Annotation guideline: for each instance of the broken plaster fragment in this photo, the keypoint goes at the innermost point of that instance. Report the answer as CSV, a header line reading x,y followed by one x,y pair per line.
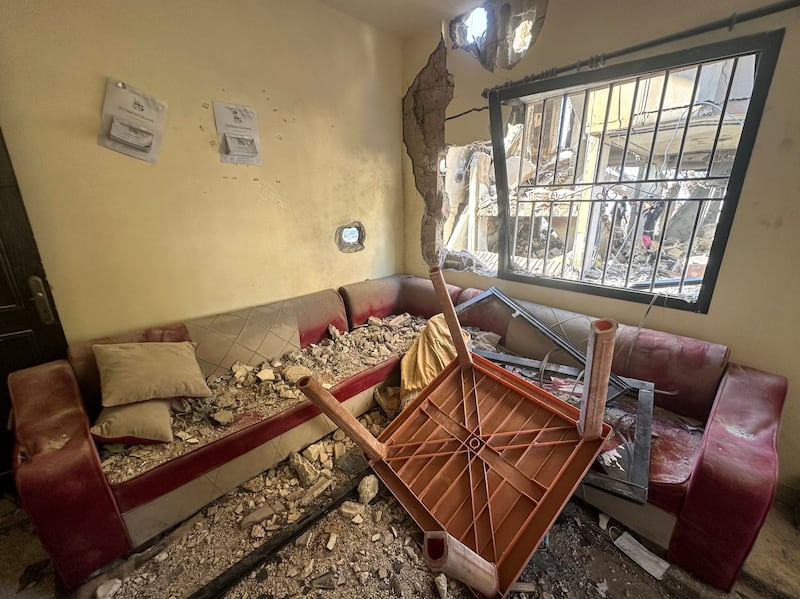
x,y
240,371
317,489
288,394
308,569
223,417
367,489
57,443
258,516
108,589
611,459
325,582
292,374
312,452
603,520
304,540
305,470
441,585
351,509
267,374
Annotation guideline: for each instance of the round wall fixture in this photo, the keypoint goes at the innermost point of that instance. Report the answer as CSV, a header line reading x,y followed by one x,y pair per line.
x,y
350,238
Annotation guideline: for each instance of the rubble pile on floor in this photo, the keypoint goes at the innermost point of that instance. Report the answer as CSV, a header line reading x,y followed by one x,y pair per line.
x,y
367,543
367,547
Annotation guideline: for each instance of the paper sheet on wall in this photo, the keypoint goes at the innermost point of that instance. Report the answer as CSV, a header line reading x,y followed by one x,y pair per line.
x,y
132,121
237,132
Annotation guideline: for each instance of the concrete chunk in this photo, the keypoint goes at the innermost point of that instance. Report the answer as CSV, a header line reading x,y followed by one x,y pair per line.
x,y
367,489
351,509
305,470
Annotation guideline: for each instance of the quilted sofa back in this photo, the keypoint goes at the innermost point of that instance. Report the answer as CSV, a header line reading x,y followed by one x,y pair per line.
x,y
686,371
81,358
250,335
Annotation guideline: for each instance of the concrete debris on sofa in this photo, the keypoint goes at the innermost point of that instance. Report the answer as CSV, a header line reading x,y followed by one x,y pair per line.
x,y
248,394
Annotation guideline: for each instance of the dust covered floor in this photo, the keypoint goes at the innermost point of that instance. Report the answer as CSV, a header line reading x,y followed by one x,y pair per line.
x,y
376,553
366,547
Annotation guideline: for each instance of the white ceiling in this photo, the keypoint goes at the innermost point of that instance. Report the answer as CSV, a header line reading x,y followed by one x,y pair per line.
x,y
403,18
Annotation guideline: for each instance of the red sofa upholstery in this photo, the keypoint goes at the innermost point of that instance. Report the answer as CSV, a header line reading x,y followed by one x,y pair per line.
x,y
720,503
732,486
720,489
79,516
391,295
62,488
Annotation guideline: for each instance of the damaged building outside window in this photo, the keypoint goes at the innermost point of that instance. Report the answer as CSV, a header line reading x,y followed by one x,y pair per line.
x,y
620,182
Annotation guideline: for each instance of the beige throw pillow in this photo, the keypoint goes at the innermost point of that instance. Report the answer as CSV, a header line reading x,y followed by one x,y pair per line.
x,y
134,372
144,422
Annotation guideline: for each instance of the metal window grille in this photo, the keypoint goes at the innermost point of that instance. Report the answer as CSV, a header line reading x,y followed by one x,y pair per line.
x,y
624,181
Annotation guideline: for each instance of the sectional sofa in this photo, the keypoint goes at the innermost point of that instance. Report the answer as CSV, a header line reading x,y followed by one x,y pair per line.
x,y
711,499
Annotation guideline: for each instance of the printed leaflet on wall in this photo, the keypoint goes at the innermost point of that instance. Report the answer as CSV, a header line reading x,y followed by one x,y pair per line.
x,y
132,122
237,131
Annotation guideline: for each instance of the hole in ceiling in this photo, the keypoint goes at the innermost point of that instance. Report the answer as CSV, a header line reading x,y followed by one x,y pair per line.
x,y
499,32
476,24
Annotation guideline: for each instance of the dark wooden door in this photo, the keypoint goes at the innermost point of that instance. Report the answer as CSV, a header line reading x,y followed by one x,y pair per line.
x,y
30,332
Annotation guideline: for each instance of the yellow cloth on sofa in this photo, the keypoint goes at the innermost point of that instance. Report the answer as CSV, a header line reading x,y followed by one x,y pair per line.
x,y
427,357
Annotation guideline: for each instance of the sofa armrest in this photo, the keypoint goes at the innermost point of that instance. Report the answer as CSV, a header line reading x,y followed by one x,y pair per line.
x,y
58,475
734,480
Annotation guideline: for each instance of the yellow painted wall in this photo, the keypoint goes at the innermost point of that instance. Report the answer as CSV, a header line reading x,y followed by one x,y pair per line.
x,y
754,307
128,244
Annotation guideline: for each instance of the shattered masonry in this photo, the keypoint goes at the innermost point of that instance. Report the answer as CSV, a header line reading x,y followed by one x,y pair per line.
x,y
424,107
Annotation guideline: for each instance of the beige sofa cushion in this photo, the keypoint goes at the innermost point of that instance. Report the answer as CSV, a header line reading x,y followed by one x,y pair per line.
x,y
134,372
143,422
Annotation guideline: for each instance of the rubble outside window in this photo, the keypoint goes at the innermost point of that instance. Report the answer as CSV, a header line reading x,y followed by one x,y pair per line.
x,y
471,230
622,181
499,32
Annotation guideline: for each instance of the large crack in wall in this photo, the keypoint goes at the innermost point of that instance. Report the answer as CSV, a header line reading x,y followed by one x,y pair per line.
x,y
424,107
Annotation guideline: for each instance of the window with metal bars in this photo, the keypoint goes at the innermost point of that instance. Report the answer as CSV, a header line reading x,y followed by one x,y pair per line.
x,y
623,181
